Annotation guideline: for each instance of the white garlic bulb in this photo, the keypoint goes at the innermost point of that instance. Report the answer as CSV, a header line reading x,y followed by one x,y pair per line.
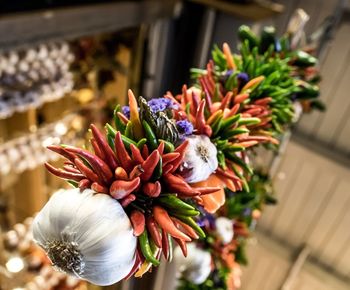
x,y
200,159
196,267
87,235
224,229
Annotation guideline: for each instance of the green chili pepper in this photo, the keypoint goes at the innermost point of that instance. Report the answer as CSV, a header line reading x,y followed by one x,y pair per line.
x,y
249,121
141,142
246,34
129,131
151,137
229,134
171,201
168,147
221,159
146,249
216,126
239,162
157,173
73,183
110,141
228,122
118,123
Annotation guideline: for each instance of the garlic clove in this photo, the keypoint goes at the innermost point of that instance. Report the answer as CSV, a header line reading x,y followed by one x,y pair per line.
x,y
224,229
200,159
196,267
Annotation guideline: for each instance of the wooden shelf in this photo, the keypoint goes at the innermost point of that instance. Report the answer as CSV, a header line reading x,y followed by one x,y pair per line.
x,y
21,30
258,10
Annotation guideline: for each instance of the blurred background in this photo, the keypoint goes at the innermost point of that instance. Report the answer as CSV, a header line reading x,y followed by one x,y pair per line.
x,y
65,64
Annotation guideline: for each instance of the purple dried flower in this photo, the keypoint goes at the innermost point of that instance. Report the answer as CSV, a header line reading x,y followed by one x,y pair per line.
x,y
126,111
247,211
161,104
185,127
243,77
229,72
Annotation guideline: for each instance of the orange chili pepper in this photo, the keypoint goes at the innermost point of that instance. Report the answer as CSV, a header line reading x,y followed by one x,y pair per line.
x,y
162,218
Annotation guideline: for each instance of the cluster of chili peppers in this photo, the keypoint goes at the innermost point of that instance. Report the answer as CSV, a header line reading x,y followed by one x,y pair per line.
x,y
141,173
247,99
238,102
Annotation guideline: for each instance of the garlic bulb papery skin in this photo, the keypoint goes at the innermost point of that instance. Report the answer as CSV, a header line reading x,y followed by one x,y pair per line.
x,y
86,234
200,159
196,267
224,229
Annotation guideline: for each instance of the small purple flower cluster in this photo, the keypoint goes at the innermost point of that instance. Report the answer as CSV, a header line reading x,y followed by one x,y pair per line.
x,y
156,105
185,127
161,104
243,78
126,111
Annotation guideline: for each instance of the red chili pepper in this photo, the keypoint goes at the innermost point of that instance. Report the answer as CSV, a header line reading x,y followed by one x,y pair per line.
x,y
86,170
247,144
145,151
169,157
178,185
123,118
109,154
64,174
127,200
152,189
241,98
161,148
207,190
137,264
136,172
226,100
120,173
149,165
122,188
165,246
167,169
186,228
182,245
60,150
84,184
181,149
263,101
233,111
122,153
195,101
99,188
200,119
229,59
254,111
153,229
99,166
136,154
97,149
71,169
227,173
137,219
198,200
